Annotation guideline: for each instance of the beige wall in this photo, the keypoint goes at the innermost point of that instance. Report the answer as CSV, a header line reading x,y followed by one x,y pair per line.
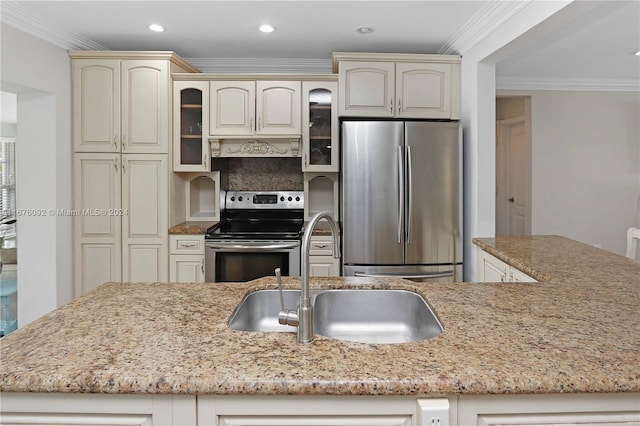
x,y
585,165
40,73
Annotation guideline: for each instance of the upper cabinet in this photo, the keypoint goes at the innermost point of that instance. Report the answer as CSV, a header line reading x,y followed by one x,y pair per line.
x,y
250,108
121,105
401,86
320,150
190,127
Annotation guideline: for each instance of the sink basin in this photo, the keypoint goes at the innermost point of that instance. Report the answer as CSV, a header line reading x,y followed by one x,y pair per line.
x,y
374,316
366,316
259,311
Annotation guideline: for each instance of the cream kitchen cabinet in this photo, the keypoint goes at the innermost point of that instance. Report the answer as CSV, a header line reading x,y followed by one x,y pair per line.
x,y
121,205
400,86
321,260
492,269
186,261
121,105
250,108
190,127
67,409
561,409
320,136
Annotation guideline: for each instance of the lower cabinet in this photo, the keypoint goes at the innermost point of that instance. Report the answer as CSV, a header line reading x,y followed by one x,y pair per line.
x,y
316,411
97,409
556,409
491,269
321,260
121,209
274,410
186,259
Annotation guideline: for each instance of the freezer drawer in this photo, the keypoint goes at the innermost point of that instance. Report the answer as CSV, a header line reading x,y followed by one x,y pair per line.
x,y
418,273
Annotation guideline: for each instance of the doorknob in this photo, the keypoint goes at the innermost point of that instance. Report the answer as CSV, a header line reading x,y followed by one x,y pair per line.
x,y
511,200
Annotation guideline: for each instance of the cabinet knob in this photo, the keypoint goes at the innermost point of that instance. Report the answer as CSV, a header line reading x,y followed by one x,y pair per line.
x,y
511,199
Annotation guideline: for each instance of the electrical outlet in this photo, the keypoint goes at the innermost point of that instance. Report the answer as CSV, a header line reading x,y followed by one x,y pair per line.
x,y
433,412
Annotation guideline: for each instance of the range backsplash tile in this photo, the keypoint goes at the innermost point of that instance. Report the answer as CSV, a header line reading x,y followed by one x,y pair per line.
x,y
261,174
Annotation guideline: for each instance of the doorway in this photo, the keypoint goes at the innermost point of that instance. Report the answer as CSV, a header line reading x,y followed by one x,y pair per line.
x,y
513,165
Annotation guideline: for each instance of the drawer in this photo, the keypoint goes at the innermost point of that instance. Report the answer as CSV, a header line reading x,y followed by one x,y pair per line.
x,y
321,245
186,244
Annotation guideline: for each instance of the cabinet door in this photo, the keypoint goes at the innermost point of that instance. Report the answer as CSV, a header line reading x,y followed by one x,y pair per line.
x,y
278,107
423,90
324,266
96,105
366,89
320,145
145,106
232,108
517,276
186,268
145,217
190,127
491,269
97,230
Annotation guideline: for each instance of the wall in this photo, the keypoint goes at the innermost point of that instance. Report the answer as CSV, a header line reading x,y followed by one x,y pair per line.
x,y
44,164
586,165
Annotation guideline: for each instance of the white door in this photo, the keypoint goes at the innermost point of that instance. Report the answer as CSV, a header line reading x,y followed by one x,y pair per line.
x,y
423,90
96,105
97,230
232,108
145,217
512,168
366,89
186,268
278,106
145,106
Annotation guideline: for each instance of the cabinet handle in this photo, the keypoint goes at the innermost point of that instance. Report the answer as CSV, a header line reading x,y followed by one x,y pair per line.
x,y
399,106
204,160
251,123
320,245
259,123
305,161
202,265
391,105
115,141
115,164
124,166
124,142
187,244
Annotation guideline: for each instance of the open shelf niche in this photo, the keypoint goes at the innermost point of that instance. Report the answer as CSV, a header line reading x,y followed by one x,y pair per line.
x,y
321,194
202,191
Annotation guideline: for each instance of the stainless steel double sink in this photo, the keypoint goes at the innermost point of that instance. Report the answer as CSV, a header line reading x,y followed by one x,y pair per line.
x,y
357,315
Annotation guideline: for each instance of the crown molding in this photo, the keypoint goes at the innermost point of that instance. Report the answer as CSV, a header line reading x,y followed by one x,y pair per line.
x,y
486,20
262,65
16,15
570,84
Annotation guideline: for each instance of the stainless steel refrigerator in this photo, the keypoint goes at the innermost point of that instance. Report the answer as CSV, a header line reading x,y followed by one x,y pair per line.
x,y
401,199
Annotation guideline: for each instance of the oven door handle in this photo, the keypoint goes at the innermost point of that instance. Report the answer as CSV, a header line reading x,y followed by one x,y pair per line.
x,y
252,248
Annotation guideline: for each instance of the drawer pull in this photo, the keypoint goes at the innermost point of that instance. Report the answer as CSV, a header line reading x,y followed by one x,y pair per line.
x,y
187,245
320,245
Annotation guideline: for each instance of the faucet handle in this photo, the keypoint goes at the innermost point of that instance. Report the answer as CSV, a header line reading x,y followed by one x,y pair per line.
x,y
285,316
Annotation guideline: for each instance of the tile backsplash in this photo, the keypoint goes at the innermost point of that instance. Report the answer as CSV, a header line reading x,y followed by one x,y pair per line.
x,y
260,174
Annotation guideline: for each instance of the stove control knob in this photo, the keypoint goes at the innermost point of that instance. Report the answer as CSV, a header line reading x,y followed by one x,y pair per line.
x,y
233,198
240,198
281,198
289,198
297,198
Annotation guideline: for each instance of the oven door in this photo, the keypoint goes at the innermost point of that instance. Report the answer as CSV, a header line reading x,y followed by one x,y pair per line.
x,y
242,260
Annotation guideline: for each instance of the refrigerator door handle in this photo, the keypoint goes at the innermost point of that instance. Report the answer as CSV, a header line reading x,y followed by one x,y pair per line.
x,y
400,193
410,194
417,276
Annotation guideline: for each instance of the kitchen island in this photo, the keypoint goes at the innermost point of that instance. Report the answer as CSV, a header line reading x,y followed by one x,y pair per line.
x,y
572,339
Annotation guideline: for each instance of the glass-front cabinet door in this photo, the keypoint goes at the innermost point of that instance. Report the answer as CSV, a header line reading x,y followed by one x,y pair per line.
x,y
320,126
191,110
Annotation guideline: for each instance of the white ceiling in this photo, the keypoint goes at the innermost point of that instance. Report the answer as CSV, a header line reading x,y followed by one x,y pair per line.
x,y
598,45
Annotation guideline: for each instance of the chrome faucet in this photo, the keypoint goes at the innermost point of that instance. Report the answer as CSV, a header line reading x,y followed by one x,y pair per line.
x,y
303,317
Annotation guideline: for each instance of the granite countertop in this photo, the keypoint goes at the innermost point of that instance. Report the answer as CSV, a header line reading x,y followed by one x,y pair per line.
x,y
576,331
190,228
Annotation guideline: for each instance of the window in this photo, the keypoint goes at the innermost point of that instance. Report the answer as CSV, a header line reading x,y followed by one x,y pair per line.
x,y
7,186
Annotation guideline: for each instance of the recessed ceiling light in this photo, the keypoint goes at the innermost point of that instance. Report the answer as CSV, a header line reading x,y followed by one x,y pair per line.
x,y
266,28
364,30
156,27
638,53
